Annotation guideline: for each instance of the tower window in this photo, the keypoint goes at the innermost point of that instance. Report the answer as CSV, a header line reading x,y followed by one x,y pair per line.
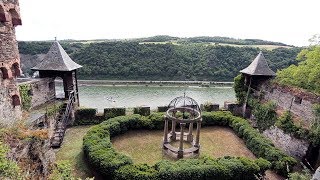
x,y
16,100
15,70
16,20
4,73
2,15
297,100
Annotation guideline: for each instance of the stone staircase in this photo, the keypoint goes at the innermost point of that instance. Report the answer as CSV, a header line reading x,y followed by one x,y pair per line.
x,y
60,128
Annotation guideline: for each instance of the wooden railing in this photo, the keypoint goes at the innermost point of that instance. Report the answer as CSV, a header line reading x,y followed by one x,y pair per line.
x,y
66,115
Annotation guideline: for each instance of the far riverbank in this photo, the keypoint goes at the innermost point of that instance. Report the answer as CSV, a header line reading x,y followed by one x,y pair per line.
x,y
154,83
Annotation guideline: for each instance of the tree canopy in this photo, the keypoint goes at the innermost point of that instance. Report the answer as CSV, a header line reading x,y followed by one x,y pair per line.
x,y
306,74
132,60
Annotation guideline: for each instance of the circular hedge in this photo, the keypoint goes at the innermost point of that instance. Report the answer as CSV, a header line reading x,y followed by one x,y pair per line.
x,y
111,164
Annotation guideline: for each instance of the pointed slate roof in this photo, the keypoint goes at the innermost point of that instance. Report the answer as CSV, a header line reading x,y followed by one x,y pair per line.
x,y
259,67
56,60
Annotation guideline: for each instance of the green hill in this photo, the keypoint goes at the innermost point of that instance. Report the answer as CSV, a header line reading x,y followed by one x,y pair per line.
x,y
166,58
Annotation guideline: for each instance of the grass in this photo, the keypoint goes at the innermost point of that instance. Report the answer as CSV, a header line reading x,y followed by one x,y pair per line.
x,y
146,146
266,47
71,150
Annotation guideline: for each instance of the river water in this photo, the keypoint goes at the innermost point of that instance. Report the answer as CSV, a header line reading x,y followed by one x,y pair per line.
x,y
102,96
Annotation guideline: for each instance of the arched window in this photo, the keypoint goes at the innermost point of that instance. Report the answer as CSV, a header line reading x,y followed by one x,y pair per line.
x,y
16,20
16,100
2,15
15,70
4,73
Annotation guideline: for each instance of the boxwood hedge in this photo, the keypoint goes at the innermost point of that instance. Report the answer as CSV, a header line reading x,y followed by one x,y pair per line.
x,y
114,165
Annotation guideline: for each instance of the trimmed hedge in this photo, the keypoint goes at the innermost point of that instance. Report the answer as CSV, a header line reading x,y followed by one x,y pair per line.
x,y
163,108
87,116
109,163
255,141
143,111
114,112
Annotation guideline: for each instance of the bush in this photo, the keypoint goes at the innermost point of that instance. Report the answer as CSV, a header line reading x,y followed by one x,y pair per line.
x,y
8,169
62,170
87,116
265,114
209,107
240,88
285,122
105,159
162,108
114,112
143,111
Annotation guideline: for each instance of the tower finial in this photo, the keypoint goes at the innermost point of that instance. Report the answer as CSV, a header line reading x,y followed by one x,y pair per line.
x,y
55,38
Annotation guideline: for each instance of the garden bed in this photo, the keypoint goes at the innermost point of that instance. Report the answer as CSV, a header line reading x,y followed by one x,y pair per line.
x,y
112,164
145,146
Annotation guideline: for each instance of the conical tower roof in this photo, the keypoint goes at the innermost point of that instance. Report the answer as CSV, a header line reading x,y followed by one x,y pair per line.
x,y
56,60
259,67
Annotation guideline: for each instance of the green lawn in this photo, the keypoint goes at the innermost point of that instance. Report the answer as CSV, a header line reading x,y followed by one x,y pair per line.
x,y
71,150
146,146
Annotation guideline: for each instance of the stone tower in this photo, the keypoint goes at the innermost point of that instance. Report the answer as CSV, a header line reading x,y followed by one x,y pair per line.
x,y
10,109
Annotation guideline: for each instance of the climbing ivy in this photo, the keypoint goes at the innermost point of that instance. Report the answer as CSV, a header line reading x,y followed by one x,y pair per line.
x,y
264,113
240,88
25,96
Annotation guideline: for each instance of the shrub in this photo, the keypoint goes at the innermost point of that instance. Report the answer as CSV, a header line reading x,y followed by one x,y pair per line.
x,y
8,169
162,108
240,88
143,111
114,112
86,116
209,107
285,122
105,159
265,114
62,170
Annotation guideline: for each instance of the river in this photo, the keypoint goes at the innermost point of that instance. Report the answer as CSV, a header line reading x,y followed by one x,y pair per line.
x,y
103,96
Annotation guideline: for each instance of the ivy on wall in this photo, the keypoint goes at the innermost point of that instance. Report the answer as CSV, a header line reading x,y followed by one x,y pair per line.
x,y
25,96
240,88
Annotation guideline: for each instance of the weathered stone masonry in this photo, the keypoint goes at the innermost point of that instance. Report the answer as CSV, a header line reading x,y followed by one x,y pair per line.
x,y
42,90
10,109
300,103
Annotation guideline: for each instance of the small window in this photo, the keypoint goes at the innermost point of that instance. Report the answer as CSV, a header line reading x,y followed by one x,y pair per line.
x,y
51,85
297,100
30,92
15,18
16,100
2,15
15,70
4,73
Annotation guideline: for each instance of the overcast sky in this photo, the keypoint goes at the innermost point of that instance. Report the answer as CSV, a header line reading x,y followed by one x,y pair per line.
x,y
292,22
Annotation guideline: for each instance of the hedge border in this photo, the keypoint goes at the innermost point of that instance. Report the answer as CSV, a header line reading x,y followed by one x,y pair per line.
x,y
101,155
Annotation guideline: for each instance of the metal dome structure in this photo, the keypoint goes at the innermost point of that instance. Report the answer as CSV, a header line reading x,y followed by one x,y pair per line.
x,y
183,112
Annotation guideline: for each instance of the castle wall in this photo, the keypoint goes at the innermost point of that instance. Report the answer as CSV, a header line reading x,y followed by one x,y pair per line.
x,y
300,103
292,146
10,108
41,90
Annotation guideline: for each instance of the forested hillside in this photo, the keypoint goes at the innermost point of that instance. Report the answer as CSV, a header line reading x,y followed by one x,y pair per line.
x,y
162,61
306,74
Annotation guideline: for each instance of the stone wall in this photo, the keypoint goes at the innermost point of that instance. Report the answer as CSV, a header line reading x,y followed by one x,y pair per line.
x,y
10,109
41,90
300,103
292,146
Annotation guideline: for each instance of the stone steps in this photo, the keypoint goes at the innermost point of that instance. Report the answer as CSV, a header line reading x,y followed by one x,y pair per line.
x,y
60,129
